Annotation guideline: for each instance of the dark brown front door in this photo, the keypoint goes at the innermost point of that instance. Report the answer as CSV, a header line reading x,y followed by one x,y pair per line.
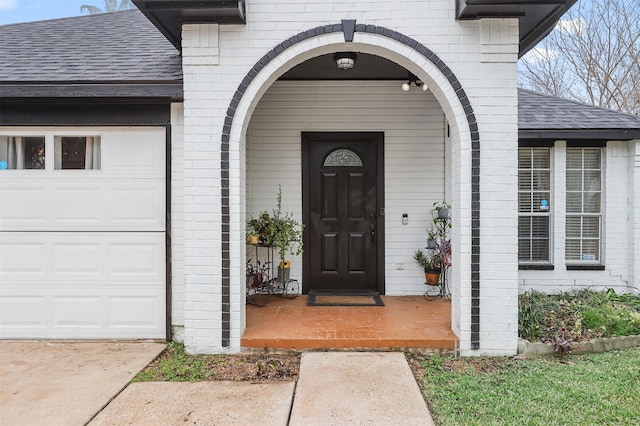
x,y
343,212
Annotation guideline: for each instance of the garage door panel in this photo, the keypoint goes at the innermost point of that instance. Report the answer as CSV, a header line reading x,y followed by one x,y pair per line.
x,y
137,204
77,312
82,251
134,153
82,285
80,258
22,257
77,205
69,205
135,259
134,311
23,203
107,312
23,311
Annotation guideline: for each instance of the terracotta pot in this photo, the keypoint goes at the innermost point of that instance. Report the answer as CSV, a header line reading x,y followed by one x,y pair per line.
x,y
432,276
254,239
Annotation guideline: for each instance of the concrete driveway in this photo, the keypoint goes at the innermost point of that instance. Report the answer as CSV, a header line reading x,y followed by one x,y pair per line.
x,y
63,383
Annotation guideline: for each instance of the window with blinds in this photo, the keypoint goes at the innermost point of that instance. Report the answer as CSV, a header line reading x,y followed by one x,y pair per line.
x,y
584,204
534,193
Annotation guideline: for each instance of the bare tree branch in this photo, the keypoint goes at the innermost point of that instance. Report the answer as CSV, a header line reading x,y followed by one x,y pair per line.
x,y
593,56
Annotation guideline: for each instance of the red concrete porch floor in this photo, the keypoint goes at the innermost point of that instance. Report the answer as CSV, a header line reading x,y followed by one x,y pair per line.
x,y
404,323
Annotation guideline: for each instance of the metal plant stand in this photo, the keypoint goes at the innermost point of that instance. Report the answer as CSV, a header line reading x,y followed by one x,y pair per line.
x,y
440,290
261,278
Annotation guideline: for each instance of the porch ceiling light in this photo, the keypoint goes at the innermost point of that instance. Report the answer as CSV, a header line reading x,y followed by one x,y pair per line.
x,y
345,60
414,80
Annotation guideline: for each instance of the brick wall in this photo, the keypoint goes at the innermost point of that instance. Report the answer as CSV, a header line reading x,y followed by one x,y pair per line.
x,y
483,57
177,221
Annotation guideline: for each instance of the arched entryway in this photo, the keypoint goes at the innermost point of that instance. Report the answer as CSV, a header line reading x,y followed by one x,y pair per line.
x,y
462,131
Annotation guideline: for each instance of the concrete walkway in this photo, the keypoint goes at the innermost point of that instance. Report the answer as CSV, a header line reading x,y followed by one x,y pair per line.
x,y
55,383
357,388
334,388
200,403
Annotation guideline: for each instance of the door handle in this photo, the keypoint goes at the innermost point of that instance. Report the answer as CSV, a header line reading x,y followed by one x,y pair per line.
x,y
372,229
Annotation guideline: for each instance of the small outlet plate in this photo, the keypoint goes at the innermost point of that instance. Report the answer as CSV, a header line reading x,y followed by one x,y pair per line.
x,y
400,266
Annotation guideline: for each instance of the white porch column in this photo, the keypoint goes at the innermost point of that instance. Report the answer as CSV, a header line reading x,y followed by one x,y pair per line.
x,y
202,191
497,113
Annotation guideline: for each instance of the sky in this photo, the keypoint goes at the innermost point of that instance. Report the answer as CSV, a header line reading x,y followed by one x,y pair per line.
x,y
14,11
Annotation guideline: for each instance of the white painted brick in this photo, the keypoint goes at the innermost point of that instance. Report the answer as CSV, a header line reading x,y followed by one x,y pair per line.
x,y
217,58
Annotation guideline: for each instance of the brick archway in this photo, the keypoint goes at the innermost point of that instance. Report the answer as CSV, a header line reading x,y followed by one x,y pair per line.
x,y
378,40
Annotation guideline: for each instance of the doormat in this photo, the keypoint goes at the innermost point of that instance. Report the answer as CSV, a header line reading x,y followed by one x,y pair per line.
x,y
323,300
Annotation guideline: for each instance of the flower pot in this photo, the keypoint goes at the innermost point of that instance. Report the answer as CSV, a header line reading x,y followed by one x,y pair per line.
x,y
283,274
432,276
253,239
443,213
431,244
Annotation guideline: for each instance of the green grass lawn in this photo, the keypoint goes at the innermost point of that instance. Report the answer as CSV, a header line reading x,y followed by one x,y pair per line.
x,y
594,389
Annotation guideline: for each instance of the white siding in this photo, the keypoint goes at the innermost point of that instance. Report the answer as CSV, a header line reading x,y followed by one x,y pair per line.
x,y
413,125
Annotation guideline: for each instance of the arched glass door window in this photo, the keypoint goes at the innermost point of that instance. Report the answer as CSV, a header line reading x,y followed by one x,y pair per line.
x,y
343,157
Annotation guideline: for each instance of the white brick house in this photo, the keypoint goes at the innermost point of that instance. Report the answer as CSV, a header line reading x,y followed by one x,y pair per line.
x,y
225,123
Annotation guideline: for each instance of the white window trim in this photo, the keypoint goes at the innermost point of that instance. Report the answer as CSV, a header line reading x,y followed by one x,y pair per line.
x,y
549,214
600,215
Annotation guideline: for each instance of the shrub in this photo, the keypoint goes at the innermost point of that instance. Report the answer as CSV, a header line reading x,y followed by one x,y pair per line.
x,y
577,315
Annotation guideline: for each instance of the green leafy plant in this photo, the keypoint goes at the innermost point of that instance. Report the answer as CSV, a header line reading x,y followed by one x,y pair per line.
x,y
426,262
279,230
438,255
577,315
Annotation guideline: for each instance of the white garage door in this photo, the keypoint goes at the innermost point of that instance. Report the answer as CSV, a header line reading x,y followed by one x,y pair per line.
x,y
82,233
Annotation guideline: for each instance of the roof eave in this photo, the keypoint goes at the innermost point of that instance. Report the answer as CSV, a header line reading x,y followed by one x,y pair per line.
x,y
169,15
70,90
580,134
536,17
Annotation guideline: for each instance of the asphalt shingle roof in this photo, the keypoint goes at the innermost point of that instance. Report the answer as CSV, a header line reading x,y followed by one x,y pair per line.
x,y
541,111
120,46
125,47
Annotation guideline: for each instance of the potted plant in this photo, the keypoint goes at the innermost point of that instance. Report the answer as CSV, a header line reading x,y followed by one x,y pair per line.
x,y
260,229
432,239
438,254
430,264
281,231
442,209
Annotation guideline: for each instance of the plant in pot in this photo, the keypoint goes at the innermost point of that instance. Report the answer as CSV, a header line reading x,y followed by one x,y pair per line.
x,y
441,210
260,230
430,263
281,231
438,254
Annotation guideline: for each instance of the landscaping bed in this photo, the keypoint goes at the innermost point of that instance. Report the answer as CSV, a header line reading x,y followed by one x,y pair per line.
x,y
577,316
175,365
